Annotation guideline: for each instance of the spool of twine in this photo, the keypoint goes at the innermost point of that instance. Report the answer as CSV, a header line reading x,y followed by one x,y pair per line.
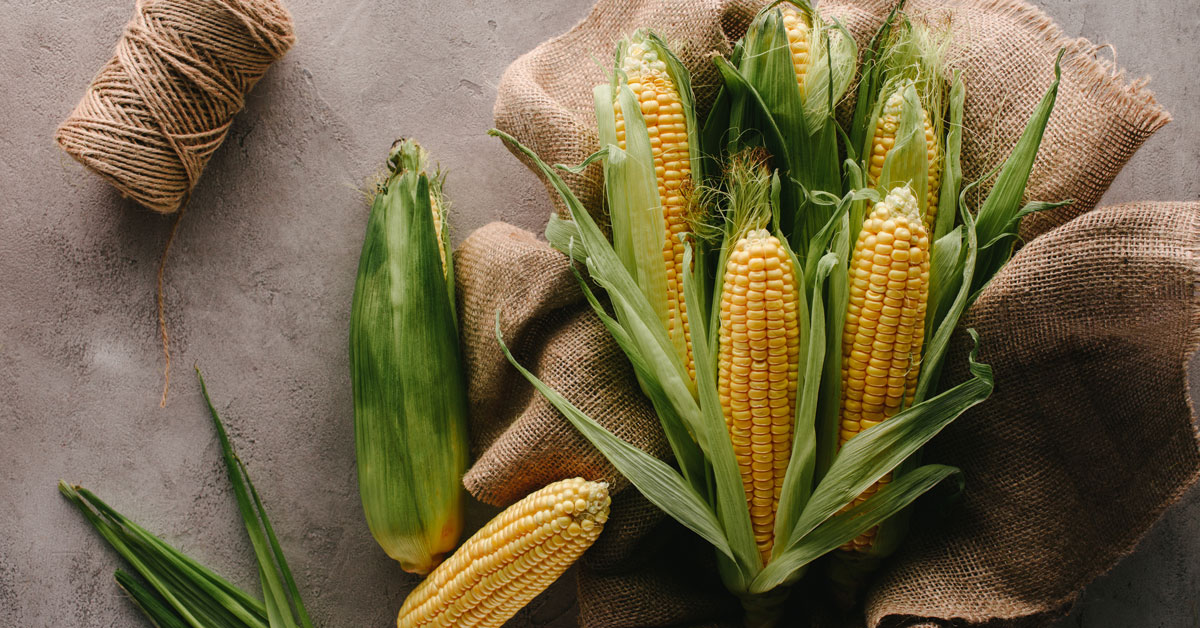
x,y
160,108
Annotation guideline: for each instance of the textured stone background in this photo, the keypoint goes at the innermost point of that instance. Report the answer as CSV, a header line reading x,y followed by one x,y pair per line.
x,y
259,292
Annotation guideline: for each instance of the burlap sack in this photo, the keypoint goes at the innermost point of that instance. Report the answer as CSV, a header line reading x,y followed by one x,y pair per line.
x,y
1109,300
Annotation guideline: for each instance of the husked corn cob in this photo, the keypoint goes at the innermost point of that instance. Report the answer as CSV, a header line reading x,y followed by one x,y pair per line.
x,y
511,559
662,109
886,128
799,36
885,321
757,371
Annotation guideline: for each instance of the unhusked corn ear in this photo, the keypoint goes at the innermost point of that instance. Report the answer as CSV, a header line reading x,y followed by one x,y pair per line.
x,y
410,405
885,321
799,37
887,126
662,108
511,559
758,365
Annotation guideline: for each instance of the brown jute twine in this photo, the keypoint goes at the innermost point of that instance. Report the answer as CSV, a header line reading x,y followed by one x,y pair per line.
x,y
157,111
164,102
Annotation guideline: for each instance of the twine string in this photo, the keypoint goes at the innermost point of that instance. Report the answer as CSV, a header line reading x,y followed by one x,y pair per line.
x,y
164,102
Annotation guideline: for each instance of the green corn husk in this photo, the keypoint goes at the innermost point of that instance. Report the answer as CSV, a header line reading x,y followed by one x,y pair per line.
x,y
410,408
964,259
179,592
764,103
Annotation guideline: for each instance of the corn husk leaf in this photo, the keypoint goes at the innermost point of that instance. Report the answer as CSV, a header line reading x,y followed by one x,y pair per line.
x,y
865,459
996,216
702,416
871,79
951,161
731,497
844,527
908,163
181,591
768,98
798,479
655,479
687,453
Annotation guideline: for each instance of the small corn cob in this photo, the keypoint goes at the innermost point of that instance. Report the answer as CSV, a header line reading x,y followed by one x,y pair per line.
x,y
886,128
511,559
410,406
799,36
662,109
758,366
885,321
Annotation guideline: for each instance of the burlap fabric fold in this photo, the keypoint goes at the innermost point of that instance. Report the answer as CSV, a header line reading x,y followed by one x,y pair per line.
x,y
1087,438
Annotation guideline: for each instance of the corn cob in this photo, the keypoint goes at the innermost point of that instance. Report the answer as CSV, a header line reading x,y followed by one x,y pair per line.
x,y
886,128
662,108
511,559
799,36
885,321
757,371
409,394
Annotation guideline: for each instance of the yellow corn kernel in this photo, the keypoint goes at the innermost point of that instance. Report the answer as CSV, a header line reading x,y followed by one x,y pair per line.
x,y
886,128
666,123
511,559
885,321
758,366
799,36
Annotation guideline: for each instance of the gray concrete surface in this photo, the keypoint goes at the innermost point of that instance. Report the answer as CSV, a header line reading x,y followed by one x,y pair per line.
x,y
259,293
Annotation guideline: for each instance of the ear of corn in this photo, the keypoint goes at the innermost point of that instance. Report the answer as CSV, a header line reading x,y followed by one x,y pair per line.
x,y
758,347
757,371
647,113
914,77
885,321
410,406
511,559
883,140
793,69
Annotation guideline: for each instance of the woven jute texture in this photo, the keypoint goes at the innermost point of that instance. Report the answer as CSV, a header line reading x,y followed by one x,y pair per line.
x,y
1088,437
160,108
519,441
